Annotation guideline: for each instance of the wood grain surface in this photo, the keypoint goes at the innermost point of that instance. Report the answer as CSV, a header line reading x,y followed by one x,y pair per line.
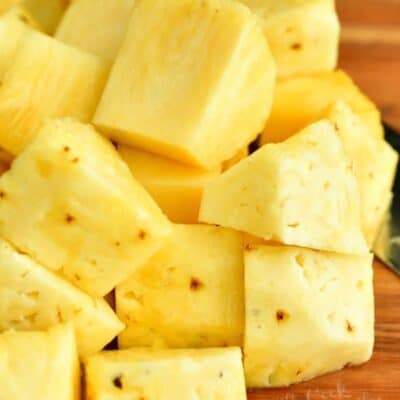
x,y
370,52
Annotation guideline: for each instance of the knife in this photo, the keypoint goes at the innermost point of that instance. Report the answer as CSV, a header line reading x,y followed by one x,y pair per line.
x,y
387,243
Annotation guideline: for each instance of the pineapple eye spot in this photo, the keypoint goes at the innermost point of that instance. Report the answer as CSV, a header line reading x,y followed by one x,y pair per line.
x,y
296,46
66,149
75,160
249,247
281,315
299,372
117,381
117,244
115,144
77,277
2,194
31,317
142,234
196,284
32,295
69,219
294,225
221,374
23,18
349,326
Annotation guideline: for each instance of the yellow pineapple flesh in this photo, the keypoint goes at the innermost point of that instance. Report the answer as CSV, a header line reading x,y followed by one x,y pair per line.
x,y
40,365
32,297
46,79
301,101
190,294
71,203
177,188
303,35
96,26
193,81
206,374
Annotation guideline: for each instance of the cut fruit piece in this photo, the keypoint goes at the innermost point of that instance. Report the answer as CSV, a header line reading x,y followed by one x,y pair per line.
x,y
190,294
46,79
239,156
302,191
303,35
40,365
31,297
375,165
72,204
301,101
206,374
47,12
307,313
177,188
193,81
20,13
96,26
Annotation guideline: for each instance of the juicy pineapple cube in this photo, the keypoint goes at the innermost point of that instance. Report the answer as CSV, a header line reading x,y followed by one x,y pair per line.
x,y
21,13
307,313
32,297
303,35
239,156
206,374
193,81
177,188
375,164
189,294
47,12
71,203
96,26
46,79
39,365
301,101
302,191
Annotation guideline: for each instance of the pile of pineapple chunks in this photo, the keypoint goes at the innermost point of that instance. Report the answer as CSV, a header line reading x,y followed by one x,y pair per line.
x,y
130,207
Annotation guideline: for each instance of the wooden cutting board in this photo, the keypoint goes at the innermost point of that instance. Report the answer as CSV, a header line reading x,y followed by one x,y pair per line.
x,y
370,52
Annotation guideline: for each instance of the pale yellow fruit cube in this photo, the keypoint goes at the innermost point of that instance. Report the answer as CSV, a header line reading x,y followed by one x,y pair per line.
x,y
96,26
303,35
47,12
40,365
302,191
307,313
206,374
46,79
375,163
301,101
72,204
177,188
190,294
193,81
32,297
239,156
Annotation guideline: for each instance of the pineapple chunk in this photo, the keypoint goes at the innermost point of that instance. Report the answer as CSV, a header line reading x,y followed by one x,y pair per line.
x,y
193,81
302,191
190,294
31,297
239,156
71,203
47,12
206,374
96,26
20,13
303,35
301,101
307,313
175,187
39,365
375,166
46,79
